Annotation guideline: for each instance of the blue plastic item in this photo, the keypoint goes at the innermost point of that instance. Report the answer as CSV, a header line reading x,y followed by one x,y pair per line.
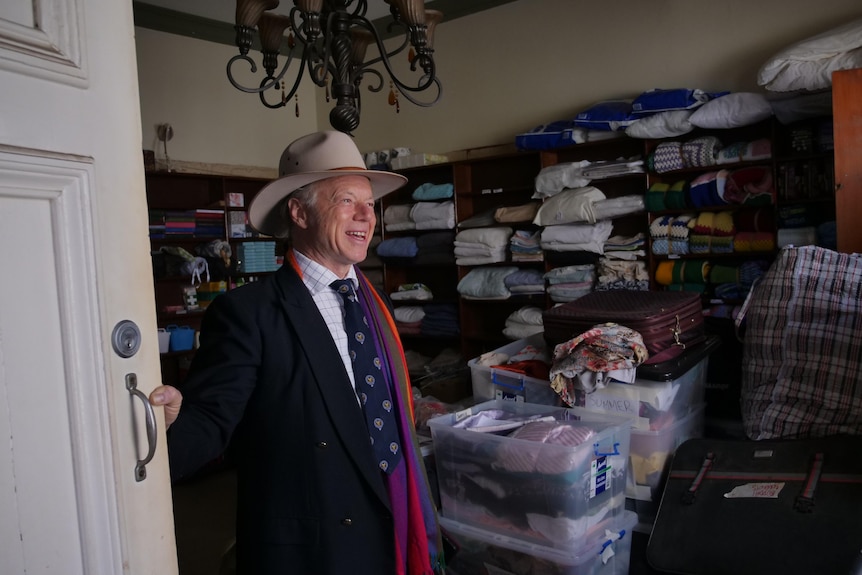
x,y
182,337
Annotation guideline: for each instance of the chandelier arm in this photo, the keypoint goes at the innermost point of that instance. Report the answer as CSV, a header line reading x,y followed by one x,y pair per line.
x,y
280,104
378,41
321,61
371,87
295,27
405,91
425,82
269,81
360,9
285,97
430,77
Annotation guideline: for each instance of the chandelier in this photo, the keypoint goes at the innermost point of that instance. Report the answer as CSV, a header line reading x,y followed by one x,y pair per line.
x,y
335,35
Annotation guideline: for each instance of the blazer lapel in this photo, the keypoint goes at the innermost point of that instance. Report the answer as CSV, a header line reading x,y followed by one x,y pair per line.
x,y
334,385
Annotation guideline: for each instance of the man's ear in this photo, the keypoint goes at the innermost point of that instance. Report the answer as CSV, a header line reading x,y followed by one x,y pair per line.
x,y
298,213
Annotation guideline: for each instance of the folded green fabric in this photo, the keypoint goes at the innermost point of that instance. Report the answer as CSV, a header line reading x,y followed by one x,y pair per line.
x,y
675,198
655,197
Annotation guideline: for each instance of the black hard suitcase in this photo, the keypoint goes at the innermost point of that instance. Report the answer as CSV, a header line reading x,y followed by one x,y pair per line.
x,y
667,321
739,507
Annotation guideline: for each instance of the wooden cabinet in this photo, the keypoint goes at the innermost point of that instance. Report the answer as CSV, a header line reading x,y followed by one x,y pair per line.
x,y
805,179
433,270
482,185
847,114
189,212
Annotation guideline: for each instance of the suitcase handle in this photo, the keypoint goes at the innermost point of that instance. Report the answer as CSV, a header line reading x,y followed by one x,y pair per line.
x,y
805,500
690,493
676,330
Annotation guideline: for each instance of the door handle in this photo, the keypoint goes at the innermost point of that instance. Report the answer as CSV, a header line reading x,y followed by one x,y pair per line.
x,y
141,465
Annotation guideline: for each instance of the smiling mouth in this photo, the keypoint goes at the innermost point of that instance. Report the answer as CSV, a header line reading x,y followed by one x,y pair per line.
x,y
359,235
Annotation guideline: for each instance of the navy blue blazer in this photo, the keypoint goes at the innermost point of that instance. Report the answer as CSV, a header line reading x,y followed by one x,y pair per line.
x,y
310,498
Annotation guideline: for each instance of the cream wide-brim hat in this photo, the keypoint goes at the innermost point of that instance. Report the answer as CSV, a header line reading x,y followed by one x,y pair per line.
x,y
311,158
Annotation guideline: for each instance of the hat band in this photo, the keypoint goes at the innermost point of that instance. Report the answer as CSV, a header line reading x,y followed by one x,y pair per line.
x,y
364,169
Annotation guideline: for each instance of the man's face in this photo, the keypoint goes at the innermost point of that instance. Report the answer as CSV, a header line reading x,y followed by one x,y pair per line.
x,y
336,231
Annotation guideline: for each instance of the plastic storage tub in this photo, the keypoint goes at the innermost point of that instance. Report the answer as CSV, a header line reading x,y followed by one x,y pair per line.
x,y
651,452
662,393
492,383
483,551
164,340
182,337
557,493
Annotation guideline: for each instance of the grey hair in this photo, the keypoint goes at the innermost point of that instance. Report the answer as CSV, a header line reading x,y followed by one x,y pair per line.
x,y
306,195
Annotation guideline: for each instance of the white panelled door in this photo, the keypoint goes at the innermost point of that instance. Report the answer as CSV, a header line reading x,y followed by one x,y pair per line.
x,y
74,255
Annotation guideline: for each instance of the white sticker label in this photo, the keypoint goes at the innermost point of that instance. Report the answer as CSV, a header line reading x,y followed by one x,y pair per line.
x,y
758,490
622,399
601,477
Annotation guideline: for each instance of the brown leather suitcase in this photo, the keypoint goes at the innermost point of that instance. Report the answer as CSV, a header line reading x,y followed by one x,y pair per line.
x,y
667,321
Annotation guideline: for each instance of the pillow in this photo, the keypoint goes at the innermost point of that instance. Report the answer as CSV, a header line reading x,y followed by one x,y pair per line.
x,y
732,111
662,125
802,106
809,63
655,101
573,205
550,136
608,115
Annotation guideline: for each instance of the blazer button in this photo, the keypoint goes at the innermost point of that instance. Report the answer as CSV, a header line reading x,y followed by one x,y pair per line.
x,y
322,445
347,522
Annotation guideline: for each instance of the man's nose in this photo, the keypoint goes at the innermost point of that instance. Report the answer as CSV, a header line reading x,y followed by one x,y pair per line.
x,y
365,211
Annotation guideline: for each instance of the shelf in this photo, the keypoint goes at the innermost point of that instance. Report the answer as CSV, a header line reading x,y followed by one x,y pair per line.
x,y
515,300
176,354
743,255
711,168
724,208
422,302
498,192
809,157
170,240
179,315
182,192
422,337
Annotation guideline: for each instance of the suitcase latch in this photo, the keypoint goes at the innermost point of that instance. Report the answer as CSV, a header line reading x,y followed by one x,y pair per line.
x,y
676,330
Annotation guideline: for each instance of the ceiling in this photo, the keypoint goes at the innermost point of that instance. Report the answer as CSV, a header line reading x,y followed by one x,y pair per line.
x,y
223,10
213,20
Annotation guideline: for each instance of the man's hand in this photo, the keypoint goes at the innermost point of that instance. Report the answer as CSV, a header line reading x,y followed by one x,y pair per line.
x,y
171,398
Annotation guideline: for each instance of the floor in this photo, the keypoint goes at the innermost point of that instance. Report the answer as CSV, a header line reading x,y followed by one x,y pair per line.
x,y
204,513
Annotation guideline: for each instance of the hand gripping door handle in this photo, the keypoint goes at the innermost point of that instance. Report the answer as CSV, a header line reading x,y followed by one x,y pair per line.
x,y
141,465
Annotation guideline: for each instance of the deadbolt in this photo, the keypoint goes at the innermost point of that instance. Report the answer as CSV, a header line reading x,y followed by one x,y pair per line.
x,y
126,338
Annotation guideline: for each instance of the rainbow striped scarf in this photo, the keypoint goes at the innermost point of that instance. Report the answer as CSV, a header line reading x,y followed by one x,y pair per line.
x,y
418,542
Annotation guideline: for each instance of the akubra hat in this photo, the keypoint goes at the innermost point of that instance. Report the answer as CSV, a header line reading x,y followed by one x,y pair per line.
x,y
311,158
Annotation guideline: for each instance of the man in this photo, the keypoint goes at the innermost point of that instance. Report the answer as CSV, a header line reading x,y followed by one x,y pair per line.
x,y
274,373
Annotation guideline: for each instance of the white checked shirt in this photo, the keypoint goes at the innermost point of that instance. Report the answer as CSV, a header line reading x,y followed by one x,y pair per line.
x,y
331,305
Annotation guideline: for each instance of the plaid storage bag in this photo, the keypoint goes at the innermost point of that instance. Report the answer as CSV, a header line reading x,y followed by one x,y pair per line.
x,y
802,350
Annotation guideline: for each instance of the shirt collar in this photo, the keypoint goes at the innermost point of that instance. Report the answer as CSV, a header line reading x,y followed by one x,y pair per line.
x,y
317,277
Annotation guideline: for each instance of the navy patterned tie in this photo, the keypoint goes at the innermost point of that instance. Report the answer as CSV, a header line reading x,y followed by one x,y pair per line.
x,y
370,382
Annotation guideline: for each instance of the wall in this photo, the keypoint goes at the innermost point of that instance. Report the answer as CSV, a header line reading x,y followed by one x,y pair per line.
x,y
183,82
504,70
